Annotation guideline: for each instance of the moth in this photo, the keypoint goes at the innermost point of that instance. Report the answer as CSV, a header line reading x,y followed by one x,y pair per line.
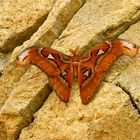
x,y
88,68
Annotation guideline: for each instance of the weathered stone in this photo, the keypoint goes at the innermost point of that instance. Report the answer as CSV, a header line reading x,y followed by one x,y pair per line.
x,y
129,79
97,21
27,97
57,20
20,19
113,112
125,73
10,76
109,116
4,58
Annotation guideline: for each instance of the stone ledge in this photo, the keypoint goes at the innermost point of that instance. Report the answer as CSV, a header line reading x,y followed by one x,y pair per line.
x,y
110,115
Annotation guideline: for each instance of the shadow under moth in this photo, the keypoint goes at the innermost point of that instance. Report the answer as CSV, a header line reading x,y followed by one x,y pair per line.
x,y
88,68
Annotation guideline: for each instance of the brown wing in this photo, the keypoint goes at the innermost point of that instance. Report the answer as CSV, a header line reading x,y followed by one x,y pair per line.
x,y
87,77
55,64
96,62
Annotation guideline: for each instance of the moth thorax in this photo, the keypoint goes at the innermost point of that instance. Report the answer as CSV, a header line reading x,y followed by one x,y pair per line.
x,y
75,59
75,69
75,62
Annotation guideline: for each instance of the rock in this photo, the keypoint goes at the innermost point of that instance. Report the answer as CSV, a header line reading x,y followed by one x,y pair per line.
x,y
58,18
27,112
127,75
56,22
26,97
4,58
19,20
97,21
10,76
110,115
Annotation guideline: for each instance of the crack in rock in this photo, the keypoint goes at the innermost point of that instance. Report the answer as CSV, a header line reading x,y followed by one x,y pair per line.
x,y
130,96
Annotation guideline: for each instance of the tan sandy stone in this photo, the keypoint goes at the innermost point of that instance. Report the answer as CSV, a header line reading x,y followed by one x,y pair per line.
x,y
14,109
97,21
112,114
20,19
125,73
10,76
4,59
57,20
27,97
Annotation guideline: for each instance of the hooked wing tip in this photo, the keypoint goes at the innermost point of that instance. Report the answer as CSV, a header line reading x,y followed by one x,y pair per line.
x,y
22,59
129,48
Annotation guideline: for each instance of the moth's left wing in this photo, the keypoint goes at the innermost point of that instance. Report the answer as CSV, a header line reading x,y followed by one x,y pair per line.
x,y
57,66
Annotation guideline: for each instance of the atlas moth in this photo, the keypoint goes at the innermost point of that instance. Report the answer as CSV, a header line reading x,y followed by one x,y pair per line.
x,y
88,68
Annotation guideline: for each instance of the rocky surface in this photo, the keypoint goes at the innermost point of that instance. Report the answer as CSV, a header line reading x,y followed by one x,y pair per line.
x,y
27,112
19,20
